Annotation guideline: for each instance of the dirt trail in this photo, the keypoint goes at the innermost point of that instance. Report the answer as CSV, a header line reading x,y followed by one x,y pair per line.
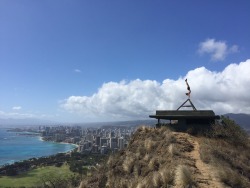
x,y
204,174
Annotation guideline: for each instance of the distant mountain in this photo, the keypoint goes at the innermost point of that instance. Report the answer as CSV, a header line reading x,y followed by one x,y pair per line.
x,y
241,119
11,122
36,122
131,123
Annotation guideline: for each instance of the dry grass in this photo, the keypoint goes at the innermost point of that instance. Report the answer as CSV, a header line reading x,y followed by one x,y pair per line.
x,y
143,183
137,170
149,161
154,164
140,152
149,144
183,176
223,155
143,129
169,137
167,176
232,178
147,157
156,158
110,160
173,150
128,164
83,185
228,150
157,180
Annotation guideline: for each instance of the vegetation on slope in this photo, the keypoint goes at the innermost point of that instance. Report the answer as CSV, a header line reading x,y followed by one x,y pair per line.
x,y
228,149
35,178
150,160
60,170
162,158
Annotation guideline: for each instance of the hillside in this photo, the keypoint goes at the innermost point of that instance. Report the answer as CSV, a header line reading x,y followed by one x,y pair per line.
x,y
163,158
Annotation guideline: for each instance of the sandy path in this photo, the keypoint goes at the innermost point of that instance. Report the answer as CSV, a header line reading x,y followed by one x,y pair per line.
x,y
205,174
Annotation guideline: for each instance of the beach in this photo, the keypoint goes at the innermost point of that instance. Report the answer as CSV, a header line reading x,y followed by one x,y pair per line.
x,y
15,147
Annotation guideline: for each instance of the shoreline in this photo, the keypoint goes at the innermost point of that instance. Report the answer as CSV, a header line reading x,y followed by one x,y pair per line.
x,y
40,138
66,152
21,160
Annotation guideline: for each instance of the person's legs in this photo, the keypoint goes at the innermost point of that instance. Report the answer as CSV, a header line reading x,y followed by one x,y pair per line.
x,y
188,88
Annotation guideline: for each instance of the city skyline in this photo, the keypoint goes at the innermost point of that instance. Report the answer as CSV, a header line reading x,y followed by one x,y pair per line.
x,y
89,140
85,61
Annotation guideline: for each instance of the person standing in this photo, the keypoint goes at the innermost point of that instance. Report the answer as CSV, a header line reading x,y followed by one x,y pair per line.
x,y
188,88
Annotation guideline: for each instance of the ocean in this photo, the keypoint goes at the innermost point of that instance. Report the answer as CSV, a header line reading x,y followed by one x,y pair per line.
x,y
14,147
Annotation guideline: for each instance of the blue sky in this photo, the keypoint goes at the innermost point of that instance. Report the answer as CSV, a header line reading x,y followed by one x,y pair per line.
x,y
68,60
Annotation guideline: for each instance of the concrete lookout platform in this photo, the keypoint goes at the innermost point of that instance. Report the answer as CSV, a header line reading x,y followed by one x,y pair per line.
x,y
186,119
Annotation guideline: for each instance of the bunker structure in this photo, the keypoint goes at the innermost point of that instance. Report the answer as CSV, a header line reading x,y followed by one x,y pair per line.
x,y
183,120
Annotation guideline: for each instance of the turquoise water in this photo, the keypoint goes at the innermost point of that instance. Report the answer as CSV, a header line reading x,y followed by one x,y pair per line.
x,y
15,147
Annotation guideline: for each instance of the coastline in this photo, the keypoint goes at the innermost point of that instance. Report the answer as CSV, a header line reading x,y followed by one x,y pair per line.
x,y
9,156
47,156
76,145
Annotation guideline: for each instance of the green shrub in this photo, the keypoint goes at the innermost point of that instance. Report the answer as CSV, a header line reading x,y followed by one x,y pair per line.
x,y
11,172
227,129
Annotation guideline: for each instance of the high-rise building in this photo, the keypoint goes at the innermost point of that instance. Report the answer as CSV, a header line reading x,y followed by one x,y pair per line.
x,y
103,141
119,133
95,149
89,137
121,143
112,134
113,143
59,137
98,140
104,150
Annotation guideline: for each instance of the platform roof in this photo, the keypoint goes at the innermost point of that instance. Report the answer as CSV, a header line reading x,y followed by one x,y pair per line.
x,y
184,114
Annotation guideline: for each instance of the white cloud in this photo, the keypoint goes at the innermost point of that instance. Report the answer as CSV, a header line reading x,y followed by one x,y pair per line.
x,y
16,108
223,92
217,49
77,71
234,49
